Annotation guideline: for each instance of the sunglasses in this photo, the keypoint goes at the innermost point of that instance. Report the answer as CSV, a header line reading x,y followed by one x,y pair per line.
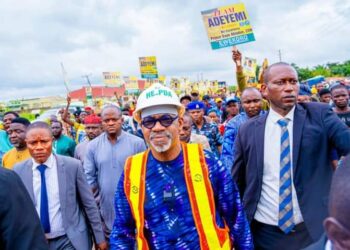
x,y
165,120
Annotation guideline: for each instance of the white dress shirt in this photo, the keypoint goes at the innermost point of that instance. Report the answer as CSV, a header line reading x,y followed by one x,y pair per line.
x,y
268,205
328,245
51,178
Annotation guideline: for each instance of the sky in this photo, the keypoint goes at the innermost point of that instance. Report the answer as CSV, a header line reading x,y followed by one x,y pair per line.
x,y
91,37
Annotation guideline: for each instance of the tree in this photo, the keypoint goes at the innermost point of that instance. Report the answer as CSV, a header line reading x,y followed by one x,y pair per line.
x,y
321,70
328,70
303,73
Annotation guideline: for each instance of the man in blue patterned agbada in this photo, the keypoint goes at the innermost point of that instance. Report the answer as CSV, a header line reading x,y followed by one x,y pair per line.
x,y
165,191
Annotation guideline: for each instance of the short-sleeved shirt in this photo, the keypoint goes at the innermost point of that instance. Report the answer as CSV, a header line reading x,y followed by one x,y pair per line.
x,y
79,132
13,157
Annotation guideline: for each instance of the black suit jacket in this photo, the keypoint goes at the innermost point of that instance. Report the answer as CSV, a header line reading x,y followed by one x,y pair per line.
x,y
316,130
20,226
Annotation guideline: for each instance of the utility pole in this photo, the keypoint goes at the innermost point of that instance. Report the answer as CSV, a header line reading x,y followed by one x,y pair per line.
x,y
280,55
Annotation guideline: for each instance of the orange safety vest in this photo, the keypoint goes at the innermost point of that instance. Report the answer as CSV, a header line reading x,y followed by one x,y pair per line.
x,y
201,195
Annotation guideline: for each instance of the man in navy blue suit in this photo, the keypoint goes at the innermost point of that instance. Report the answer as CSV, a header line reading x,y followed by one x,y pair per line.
x,y
337,225
282,164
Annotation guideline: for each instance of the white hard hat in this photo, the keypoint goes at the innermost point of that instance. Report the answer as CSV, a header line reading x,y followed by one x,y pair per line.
x,y
157,95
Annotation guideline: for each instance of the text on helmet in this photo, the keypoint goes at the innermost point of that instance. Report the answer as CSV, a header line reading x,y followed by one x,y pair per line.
x,y
158,92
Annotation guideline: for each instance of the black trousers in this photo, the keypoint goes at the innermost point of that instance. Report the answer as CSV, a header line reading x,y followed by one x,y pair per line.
x,y
267,237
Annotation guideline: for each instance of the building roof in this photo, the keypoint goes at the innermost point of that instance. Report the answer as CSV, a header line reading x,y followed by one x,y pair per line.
x,y
103,91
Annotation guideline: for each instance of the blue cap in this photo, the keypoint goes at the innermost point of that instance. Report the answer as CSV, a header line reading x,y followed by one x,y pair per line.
x,y
195,105
213,110
206,98
232,99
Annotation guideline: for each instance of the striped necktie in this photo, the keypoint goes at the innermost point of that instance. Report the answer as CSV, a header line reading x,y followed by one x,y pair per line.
x,y
44,202
285,213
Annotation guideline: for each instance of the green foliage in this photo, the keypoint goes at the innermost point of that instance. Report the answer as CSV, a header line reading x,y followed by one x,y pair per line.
x,y
232,88
334,69
321,70
28,116
303,73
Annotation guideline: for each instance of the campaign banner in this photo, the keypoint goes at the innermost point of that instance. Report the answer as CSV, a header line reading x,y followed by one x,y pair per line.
x,y
249,69
162,79
261,70
148,67
131,83
228,26
112,78
175,84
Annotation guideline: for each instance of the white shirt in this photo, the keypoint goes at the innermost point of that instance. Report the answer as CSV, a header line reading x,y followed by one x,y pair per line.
x,y
328,245
51,178
268,205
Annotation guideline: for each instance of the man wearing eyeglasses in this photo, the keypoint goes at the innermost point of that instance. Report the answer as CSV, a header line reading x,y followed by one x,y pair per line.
x,y
282,164
175,196
105,159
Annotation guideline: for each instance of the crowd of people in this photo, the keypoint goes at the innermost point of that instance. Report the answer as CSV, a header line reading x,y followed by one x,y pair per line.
x,y
261,168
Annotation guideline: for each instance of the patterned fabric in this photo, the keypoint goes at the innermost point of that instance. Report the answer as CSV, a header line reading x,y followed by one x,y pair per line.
x,y
126,127
169,222
132,127
285,215
231,131
211,131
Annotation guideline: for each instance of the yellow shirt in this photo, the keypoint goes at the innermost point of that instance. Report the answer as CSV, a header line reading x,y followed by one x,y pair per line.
x,y
80,132
13,157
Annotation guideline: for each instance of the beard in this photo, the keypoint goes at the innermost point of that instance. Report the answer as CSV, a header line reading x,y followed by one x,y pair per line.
x,y
164,147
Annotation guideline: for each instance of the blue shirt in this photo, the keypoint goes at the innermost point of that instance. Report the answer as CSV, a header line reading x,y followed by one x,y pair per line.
x,y
5,144
211,131
231,131
169,222
103,165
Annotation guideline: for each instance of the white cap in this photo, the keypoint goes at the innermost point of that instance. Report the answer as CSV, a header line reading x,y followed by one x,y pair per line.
x,y
163,109
157,95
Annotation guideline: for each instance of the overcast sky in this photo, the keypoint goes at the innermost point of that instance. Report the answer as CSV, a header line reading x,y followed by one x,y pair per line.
x,y
91,37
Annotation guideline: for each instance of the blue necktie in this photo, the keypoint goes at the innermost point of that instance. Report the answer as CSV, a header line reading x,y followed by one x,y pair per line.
x,y
285,213
44,203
